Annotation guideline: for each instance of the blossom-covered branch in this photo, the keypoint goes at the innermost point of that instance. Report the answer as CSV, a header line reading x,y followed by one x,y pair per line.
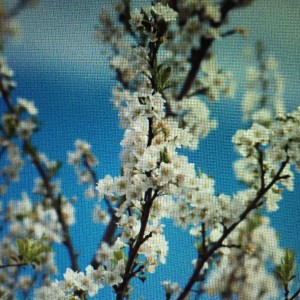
x,y
165,75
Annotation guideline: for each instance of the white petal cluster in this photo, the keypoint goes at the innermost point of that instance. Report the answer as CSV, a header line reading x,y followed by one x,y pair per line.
x,y
11,170
197,124
208,8
261,104
83,161
164,12
170,287
5,74
90,282
279,142
139,105
247,265
132,64
26,128
155,249
29,106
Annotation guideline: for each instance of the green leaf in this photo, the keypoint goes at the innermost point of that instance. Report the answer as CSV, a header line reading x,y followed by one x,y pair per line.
x,y
118,255
30,251
285,272
163,76
164,156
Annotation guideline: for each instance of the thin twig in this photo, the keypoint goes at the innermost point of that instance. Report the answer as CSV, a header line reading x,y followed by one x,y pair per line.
x,y
295,295
13,265
286,292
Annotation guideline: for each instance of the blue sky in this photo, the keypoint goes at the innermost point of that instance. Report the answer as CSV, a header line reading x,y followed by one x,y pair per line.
x,y
59,65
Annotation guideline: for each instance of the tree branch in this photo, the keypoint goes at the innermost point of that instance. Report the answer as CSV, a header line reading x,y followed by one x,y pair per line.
x,y
261,165
253,205
295,295
13,265
56,201
199,54
120,290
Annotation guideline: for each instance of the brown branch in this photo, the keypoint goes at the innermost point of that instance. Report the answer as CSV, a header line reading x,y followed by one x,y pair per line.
x,y
229,32
149,195
203,233
120,290
197,92
238,246
149,198
199,54
13,265
253,205
295,295
138,270
108,238
112,226
286,292
261,165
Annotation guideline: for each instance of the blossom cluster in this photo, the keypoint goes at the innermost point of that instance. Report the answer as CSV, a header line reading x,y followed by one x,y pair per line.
x,y
26,219
263,97
78,282
277,143
83,161
241,271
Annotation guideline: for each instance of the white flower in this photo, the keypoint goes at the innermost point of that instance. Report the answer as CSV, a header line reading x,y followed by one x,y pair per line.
x,y
213,11
25,128
68,213
100,215
167,13
28,106
216,233
52,292
105,254
105,186
148,161
171,287
90,193
136,19
82,146
72,278
112,277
